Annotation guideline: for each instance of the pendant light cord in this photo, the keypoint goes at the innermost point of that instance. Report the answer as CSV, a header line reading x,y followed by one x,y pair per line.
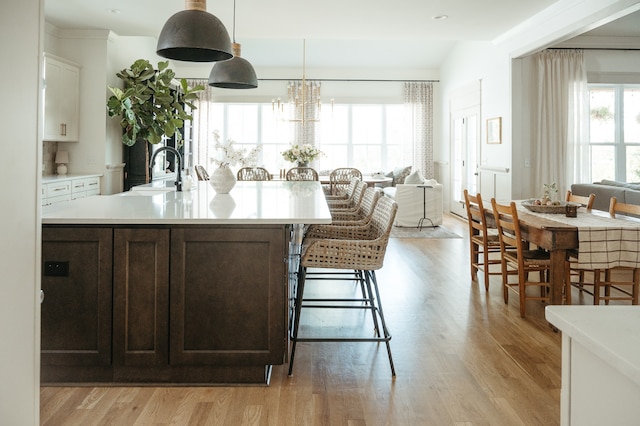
x,y
234,21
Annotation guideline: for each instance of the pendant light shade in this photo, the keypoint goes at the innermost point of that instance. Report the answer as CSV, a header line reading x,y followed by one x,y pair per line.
x,y
194,35
236,73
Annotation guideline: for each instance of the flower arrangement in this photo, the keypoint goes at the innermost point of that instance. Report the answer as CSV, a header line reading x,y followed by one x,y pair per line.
x,y
228,155
301,153
550,191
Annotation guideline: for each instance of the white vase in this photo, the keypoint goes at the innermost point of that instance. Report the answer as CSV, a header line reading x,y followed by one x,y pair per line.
x,y
222,180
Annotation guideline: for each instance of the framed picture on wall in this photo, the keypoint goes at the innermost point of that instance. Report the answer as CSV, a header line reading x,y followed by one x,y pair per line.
x,y
494,130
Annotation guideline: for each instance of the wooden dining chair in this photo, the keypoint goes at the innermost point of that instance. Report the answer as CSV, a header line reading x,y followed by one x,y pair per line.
x,y
586,202
482,244
625,281
521,261
572,255
302,173
618,283
253,174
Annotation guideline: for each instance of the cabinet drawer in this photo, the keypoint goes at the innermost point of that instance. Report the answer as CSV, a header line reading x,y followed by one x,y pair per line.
x,y
57,189
84,187
57,199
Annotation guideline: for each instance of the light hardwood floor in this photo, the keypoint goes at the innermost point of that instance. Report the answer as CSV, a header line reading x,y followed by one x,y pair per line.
x,y
462,357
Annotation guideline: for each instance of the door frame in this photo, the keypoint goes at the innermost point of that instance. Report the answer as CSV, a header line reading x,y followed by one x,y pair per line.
x,y
465,102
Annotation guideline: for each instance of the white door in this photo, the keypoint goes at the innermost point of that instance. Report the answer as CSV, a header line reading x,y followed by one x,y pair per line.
x,y
465,145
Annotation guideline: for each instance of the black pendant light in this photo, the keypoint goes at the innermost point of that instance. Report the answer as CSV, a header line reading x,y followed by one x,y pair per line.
x,y
236,73
194,35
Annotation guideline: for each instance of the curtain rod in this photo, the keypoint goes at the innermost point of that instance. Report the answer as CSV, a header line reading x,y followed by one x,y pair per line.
x,y
347,80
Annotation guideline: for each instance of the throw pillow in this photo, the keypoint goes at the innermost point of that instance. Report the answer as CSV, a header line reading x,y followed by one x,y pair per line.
x,y
414,178
400,174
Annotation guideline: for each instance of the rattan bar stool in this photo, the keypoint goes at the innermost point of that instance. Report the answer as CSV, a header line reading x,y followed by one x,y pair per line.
x,y
354,248
340,178
364,212
350,205
346,195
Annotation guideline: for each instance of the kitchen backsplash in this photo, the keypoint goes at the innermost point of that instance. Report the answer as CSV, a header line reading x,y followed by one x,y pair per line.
x,y
48,156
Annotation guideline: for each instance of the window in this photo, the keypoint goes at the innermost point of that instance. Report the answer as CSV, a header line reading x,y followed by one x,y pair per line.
x,y
366,136
614,127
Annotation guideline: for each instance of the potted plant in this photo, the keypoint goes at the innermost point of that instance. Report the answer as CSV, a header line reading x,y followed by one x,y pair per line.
x,y
151,106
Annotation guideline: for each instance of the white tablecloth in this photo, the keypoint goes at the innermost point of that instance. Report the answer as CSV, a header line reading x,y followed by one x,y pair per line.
x,y
604,242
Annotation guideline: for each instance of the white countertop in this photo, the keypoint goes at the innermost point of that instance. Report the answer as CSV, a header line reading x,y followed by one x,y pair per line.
x,y
60,178
269,202
610,332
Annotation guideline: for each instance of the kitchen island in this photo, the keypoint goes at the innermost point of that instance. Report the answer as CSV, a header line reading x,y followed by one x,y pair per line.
x,y
158,286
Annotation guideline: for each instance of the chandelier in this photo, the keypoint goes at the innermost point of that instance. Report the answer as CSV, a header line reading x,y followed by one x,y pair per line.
x,y
303,104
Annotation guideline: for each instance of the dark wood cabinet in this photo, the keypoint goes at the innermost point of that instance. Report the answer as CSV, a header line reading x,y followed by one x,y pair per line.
x,y
141,297
227,296
177,304
76,310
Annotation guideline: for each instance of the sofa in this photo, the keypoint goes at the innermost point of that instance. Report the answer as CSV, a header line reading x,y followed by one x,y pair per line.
x,y
414,202
628,193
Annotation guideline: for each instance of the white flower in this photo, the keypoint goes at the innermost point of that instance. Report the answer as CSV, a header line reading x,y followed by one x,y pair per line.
x,y
301,153
227,155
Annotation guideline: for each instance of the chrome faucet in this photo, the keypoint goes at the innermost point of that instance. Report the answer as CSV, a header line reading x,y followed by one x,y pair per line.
x,y
178,182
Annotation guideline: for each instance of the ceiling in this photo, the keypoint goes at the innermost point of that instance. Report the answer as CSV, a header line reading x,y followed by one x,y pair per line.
x,y
353,33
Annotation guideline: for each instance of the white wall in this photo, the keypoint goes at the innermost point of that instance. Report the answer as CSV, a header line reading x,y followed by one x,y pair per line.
x,y
468,63
21,44
505,77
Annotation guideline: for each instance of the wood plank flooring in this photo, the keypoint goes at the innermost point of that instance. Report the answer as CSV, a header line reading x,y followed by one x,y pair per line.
x,y
462,357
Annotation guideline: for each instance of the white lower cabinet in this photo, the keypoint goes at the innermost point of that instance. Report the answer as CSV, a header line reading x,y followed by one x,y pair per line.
x,y
85,187
59,189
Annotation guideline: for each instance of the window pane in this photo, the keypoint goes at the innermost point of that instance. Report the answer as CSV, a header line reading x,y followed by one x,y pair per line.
x,y
242,123
602,106
367,124
632,115
633,163
603,164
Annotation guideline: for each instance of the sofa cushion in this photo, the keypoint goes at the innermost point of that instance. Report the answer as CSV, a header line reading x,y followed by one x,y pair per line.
x,y
389,191
400,174
609,182
414,177
602,192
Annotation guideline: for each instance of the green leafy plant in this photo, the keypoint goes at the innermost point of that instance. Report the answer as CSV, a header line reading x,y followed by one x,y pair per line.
x,y
151,106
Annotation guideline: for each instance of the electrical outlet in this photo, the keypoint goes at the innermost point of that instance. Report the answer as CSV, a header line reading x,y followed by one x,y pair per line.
x,y
527,162
56,269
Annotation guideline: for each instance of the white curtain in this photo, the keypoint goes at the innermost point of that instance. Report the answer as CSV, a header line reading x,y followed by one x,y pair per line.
x,y
418,99
203,126
561,126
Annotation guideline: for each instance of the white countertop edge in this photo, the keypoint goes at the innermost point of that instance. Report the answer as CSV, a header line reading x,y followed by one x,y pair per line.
x,y
611,332
61,178
189,222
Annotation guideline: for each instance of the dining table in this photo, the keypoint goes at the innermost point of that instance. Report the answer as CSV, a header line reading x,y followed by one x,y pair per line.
x,y
602,241
370,180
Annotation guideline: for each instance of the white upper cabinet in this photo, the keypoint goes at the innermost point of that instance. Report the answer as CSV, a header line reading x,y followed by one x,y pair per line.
x,y
61,100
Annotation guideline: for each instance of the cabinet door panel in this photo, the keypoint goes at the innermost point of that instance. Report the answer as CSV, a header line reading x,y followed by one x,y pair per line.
x,y
227,296
141,297
76,312
61,100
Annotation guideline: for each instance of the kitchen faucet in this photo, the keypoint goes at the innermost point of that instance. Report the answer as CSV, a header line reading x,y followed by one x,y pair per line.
x,y
178,182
